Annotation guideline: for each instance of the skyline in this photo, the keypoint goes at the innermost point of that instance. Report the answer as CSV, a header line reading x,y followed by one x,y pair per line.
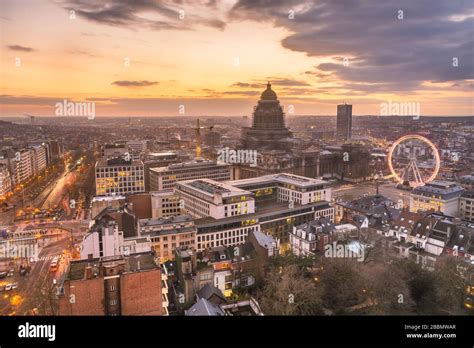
x,y
217,59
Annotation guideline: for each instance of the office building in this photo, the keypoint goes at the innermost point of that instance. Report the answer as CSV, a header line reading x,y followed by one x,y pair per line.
x,y
137,149
165,204
206,197
119,177
156,160
115,150
164,178
286,187
344,122
271,204
437,196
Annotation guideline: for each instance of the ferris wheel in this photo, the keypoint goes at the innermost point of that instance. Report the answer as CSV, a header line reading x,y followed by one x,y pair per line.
x,y
413,160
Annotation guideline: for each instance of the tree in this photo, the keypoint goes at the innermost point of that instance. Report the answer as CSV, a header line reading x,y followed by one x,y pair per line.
x,y
421,283
449,285
287,291
342,285
386,288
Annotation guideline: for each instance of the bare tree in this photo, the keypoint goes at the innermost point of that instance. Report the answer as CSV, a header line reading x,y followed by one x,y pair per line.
x,y
288,291
386,290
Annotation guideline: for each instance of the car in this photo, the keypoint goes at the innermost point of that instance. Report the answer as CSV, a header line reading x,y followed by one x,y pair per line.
x,y
14,285
469,303
3,275
8,287
11,273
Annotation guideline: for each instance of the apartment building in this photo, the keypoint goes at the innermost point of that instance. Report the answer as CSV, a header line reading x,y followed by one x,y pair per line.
x,y
5,180
38,158
167,234
466,205
117,285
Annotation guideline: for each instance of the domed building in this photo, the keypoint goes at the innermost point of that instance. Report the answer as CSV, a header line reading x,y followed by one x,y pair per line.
x,y
274,142
268,129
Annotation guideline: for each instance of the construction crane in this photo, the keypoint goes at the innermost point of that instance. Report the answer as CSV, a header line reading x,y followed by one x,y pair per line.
x,y
198,138
32,117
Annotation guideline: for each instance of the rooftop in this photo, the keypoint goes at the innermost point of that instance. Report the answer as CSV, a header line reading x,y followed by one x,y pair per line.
x,y
445,189
283,178
198,163
164,221
117,162
376,204
106,198
269,93
323,225
264,240
204,307
211,187
133,263
468,194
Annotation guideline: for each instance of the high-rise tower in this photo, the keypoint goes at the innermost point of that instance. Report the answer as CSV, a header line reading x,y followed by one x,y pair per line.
x,y
344,122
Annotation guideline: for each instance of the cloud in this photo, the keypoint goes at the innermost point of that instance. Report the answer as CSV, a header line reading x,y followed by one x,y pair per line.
x,y
275,81
381,50
286,82
20,48
247,85
152,14
143,83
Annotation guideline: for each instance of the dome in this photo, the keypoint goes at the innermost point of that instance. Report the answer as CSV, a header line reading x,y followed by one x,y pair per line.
x,y
268,94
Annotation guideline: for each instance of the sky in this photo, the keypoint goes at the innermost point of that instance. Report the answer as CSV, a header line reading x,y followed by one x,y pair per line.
x,y
171,58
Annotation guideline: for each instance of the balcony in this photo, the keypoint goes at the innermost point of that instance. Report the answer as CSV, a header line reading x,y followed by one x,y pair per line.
x,y
164,287
165,303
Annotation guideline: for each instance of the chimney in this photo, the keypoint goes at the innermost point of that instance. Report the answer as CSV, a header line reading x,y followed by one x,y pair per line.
x,y
138,265
88,272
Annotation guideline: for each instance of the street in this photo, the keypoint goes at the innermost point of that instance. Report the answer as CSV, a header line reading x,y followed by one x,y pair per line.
x,y
32,291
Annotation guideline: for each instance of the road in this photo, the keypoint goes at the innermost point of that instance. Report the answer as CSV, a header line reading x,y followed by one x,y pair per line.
x,y
51,196
32,289
55,196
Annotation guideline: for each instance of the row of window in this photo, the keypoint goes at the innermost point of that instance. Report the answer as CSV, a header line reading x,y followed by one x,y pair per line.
x,y
229,241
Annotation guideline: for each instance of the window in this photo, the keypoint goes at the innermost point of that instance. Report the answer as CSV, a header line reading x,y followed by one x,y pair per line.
x,y
113,302
113,288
